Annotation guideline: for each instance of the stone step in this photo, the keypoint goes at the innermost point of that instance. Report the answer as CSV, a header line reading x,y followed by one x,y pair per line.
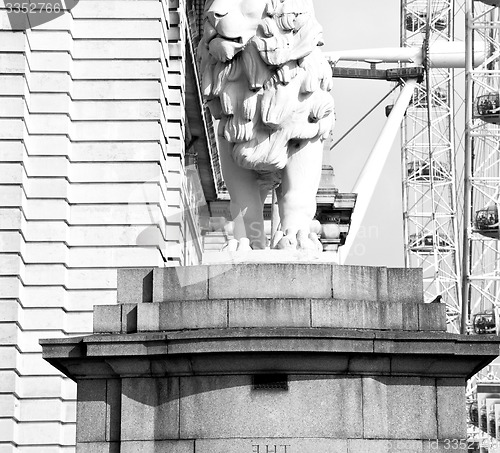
x,y
268,313
270,280
290,295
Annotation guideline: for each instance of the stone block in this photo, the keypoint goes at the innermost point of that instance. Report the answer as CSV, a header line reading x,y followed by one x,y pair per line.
x,y
348,314
355,283
113,409
107,319
410,315
280,281
180,283
115,90
313,406
272,445
382,284
405,285
358,314
158,446
451,408
115,70
113,29
150,409
98,447
148,317
192,314
129,318
91,411
432,317
399,408
117,10
270,313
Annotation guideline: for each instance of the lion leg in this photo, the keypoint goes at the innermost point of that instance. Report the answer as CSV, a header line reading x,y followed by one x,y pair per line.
x,y
246,201
297,201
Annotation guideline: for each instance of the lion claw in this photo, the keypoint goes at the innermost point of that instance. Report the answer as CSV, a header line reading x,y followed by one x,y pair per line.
x,y
302,240
234,245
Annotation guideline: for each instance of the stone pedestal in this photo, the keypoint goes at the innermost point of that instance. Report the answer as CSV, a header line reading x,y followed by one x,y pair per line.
x,y
270,358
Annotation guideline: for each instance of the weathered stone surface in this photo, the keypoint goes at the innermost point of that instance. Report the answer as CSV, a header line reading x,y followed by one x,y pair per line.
x,y
98,447
277,340
385,446
370,364
150,408
405,285
431,365
91,410
269,313
281,281
314,406
272,445
180,283
107,319
409,315
355,283
158,446
361,314
399,408
362,377
135,285
296,363
432,317
414,343
194,314
345,314
148,317
113,409
382,284
451,408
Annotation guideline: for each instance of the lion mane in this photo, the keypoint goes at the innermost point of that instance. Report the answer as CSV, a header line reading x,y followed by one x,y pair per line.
x,y
273,93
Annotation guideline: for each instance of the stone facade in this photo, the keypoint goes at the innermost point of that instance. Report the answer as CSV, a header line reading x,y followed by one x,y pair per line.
x,y
92,178
271,358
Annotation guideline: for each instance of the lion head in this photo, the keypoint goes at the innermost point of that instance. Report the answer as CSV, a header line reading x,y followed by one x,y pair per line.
x,y
265,79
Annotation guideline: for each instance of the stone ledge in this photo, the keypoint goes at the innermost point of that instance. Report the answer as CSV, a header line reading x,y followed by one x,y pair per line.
x,y
409,352
282,312
270,280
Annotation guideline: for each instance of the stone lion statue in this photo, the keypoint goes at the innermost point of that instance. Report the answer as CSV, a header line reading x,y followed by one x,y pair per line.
x,y
266,81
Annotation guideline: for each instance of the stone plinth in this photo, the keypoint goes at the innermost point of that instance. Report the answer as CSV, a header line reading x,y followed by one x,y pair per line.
x,y
270,358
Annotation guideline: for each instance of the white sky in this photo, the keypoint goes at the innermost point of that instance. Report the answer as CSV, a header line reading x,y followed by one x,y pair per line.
x,y
357,25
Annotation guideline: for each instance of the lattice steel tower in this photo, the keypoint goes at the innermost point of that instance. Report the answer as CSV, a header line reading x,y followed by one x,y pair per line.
x,y
481,260
428,161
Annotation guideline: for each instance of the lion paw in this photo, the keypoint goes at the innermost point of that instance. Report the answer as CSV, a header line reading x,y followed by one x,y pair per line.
x,y
234,245
301,240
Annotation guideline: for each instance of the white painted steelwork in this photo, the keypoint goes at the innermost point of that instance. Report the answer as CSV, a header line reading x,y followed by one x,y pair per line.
x,y
481,259
431,231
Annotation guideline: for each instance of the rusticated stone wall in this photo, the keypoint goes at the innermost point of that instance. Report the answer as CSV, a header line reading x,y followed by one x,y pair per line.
x,y
92,179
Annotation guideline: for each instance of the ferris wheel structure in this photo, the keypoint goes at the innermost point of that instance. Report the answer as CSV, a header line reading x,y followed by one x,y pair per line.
x,y
429,176
481,246
451,224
